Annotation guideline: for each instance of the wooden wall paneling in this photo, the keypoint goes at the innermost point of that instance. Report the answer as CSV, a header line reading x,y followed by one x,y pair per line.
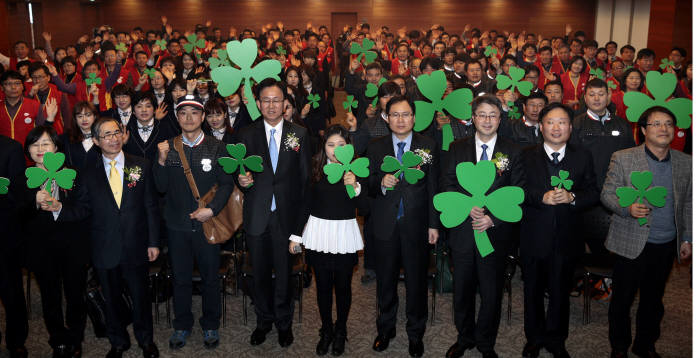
x,y
661,25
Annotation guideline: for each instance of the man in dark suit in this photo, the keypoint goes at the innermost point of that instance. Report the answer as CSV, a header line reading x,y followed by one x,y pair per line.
x,y
146,131
273,209
11,288
549,245
119,195
470,268
402,218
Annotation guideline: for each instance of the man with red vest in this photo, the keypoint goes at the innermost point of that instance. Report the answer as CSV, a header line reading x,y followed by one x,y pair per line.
x,y
42,91
549,70
21,54
18,115
399,65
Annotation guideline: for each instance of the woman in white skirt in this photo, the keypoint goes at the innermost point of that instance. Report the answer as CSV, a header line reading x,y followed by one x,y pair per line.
x,y
332,239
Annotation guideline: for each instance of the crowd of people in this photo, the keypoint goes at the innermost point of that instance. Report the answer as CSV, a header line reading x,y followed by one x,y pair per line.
x,y
139,118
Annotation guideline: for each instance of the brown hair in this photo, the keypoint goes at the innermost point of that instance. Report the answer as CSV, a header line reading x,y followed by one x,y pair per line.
x,y
75,135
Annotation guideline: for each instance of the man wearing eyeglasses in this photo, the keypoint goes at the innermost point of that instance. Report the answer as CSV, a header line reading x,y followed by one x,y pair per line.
x,y
47,94
404,223
644,253
20,114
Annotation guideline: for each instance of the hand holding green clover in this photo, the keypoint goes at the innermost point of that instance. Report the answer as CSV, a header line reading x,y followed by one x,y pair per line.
x,y
52,162
641,181
238,162
344,155
562,180
350,103
314,99
93,79
406,167
4,185
364,51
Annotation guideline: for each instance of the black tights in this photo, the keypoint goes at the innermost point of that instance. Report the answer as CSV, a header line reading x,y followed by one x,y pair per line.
x,y
326,279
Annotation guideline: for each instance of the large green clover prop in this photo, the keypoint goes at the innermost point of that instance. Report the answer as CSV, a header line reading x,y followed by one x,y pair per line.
x,y
93,79
641,181
335,171
229,78
162,44
666,63
151,72
513,112
4,185
372,90
562,180
406,166
597,72
193,42
364,50
220,60
661,88
53,162
314,99
490,51
516,75
350,103
238,162
502,203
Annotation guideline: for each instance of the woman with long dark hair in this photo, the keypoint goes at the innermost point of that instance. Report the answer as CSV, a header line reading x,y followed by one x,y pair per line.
x,y
574,82
216,122
77,140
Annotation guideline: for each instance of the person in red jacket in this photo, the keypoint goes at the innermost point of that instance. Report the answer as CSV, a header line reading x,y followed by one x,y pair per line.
x,y
21,54
18,115
399,65
42,91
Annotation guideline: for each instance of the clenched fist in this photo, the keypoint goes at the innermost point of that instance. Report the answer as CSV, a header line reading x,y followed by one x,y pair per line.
x,y
163,149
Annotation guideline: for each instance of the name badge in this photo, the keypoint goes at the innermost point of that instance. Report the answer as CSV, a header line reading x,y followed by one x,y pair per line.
x,y
615,133
206,164
681,134
28,120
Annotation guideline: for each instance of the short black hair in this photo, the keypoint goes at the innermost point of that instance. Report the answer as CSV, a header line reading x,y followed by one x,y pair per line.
x,y
536,95
628,47
554,105
399,99
36,66
646,52
473,61
389,88
95,129
529,45
553,83
545,48
434,62
595,83
268,82
611,43
145,96
486,99
590,43
371,66
680,50
644,117
529,68
36,133
11,74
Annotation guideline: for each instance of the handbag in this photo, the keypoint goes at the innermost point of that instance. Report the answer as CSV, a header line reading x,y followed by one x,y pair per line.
x,y
221,227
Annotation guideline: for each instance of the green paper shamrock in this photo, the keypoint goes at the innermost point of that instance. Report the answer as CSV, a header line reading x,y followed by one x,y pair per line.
x,y
237,162
151,72
92,78
502,203
314,99
120,47
335,171
193,42
350,103
562,180
448,136
433,86
229,78
162,43
364,50
611,84
53,162
513,112
219,61
641,181
516,74
4,185
281,51
597,72
407,167
372,90
490,51
666,63
661,88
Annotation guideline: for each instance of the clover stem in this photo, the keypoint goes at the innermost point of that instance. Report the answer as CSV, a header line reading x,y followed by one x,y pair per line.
x,y
351,190
251,106
397,174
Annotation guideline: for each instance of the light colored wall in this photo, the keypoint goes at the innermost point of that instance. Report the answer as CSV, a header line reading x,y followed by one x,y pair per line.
x,y
623,21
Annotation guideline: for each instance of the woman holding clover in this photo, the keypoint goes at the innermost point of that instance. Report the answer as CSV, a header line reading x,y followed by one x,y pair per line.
x,y
332,238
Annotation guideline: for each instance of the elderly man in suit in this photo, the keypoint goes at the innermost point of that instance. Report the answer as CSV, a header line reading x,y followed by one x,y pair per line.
x,y
645,253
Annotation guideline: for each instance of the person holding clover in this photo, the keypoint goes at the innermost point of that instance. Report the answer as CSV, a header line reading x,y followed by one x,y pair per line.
x,y
332,238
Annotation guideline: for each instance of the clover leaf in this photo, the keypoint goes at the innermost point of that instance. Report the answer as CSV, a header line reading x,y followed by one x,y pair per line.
x,y
597,72
220,60
151,72
193,42
314,99
281,51
238,162
513,112
641,181
406,167
52,162
661,87
516,74
562,180
364,50
120,47
502,203
611,84
666,63
4,185
335,171
372,90
92,78
350,103
490,51
162,43
228,78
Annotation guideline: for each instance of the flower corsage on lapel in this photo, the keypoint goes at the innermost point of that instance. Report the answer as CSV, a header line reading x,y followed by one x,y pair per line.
x,y
425,157
291,142
502,162
133,175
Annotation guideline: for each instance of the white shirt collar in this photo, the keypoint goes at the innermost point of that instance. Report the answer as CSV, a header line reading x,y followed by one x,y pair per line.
x,y
120,159
549,151
489,150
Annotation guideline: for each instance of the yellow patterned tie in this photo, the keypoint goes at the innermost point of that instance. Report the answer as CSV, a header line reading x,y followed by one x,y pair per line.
x,y
115,183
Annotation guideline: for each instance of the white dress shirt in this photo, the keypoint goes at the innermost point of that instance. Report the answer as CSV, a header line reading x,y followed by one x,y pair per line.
x,y
549,151
489,150
278,134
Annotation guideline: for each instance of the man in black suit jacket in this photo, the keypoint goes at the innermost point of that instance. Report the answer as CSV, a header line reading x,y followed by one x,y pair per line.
x,y
11,288
146,131
470,269
549,244
124,232
401,220
273,208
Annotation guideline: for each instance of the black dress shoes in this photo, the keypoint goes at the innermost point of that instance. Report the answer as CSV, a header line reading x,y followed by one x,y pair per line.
x,y
258,336
339,342
645,353
415,348
19,352
62,351
285,337
560,353
325,342
381,343
458,349
531,350
618,354
489,354
150,351
117,352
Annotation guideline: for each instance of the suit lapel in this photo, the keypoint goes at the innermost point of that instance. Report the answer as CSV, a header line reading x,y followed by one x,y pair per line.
x,y
260,137
284,153
126,191
103,179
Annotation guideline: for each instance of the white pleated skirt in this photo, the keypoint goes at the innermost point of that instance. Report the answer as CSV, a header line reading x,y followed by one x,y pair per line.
x,y
332,236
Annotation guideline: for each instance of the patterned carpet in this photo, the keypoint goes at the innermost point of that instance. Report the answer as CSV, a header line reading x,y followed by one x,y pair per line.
x,y
584,340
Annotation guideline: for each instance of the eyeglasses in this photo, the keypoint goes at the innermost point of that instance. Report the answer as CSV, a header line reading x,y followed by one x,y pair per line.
x,y
404,115
271,101
110,136
13,84
484,116
45,145
659,124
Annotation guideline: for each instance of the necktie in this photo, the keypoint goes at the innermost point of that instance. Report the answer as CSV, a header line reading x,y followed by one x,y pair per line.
x,y
273,158
555,158
484,154
146,129
115,183
399,154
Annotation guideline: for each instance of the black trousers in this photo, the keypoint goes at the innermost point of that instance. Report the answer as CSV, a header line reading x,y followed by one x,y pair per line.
x,y
273,299
554,274
647,274
12,297
184,248
411,248
112,282
368,250
333,271
472,271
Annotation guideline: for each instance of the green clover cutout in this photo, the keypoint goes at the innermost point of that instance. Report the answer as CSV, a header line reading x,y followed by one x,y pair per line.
x,y
162,43
228,78
335,171
4,185
628,67
597,72
120,47
516,74
503,203
53,162
364,51
611,84
151,72
238,162
562,180
513,112
193,42
314,99
221,60
281,51
372,90
406,166
641,181
350,103
661,87
490,51
92,78
666,63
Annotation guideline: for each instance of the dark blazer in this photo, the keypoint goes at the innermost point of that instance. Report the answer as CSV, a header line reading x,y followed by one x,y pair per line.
x,y
76,156
242,119
114,113
162,130
118,235
289,183
545,229
12,165
419,212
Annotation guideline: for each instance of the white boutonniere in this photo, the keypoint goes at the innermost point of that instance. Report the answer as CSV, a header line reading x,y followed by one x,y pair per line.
x,y
292,142
502,162
425,156
133,175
